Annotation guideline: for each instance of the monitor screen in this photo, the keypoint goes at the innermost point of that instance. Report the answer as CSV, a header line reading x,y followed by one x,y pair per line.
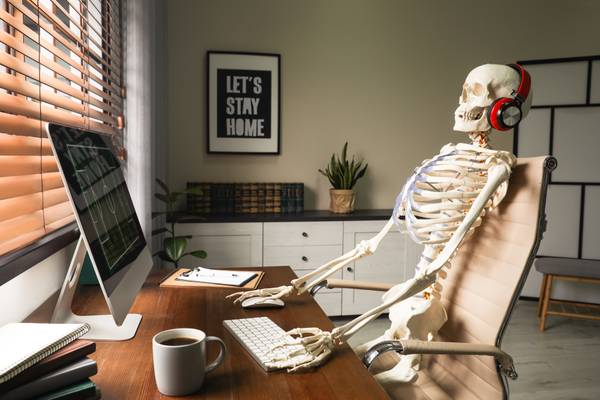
x,y
99,193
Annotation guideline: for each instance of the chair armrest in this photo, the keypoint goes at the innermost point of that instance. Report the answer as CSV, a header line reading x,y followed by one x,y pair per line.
x,y
348,284
424,347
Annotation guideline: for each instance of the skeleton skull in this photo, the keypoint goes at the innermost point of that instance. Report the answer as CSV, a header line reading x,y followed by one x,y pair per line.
x,y
483,86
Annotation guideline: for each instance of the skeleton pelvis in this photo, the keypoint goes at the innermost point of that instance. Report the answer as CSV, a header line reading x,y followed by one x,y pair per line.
x,y
416,318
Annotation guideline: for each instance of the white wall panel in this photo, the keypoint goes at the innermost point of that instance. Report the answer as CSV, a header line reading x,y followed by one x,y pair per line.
x,y
591,223
534,134
576,144
562,211
560,83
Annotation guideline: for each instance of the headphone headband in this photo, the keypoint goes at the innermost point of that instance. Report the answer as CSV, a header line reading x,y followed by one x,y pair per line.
x,y
525,83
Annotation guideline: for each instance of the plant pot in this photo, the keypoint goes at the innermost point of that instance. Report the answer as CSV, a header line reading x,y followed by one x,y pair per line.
x,y
341,201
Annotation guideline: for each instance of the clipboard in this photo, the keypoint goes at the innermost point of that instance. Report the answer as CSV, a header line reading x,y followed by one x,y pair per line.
x,y
172,282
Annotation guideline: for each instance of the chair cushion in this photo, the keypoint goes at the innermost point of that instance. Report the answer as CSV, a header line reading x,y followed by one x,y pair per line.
x,y
568,267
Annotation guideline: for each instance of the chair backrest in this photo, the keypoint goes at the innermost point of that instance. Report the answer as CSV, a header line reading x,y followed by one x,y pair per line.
x,y
485,280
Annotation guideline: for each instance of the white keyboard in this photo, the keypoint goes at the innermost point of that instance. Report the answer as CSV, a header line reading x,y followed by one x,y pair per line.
x,y
258,336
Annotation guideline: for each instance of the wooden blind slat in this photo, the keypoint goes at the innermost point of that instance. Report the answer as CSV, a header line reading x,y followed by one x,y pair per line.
x,y
22,225
110,28
26,165
22,240
79,26
53,18
60,61
57,34
19,125
59,223
15,186
57,212
22,205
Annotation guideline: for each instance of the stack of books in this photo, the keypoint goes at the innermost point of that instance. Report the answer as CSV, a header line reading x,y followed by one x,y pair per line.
x,y
46,361
245,198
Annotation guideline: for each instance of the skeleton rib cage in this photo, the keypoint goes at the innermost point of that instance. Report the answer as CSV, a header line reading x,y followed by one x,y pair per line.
x,y
436,198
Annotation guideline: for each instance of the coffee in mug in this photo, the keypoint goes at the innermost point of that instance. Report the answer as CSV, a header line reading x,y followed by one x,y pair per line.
x,y
179,357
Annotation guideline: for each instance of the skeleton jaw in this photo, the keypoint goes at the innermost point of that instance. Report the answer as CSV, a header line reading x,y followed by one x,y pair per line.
x,y
471,119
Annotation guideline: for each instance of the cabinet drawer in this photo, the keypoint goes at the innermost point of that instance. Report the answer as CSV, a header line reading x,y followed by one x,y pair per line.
x,y
331,303
300,257
303,233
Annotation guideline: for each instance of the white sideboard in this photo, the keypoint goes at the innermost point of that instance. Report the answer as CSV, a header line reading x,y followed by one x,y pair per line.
x,y
305,245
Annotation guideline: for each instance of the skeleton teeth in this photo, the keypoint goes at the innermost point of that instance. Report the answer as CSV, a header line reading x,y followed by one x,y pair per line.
x,y
470,115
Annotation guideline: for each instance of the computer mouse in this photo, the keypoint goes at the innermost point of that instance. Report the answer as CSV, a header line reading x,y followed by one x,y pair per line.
x,y
261,302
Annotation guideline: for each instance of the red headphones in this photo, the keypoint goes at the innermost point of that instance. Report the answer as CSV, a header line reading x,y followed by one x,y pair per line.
x,y
505,113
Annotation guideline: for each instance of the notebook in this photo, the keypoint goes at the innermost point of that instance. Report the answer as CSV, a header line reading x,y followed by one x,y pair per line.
x,y
24,344
63,357
55,380
85,389
217,277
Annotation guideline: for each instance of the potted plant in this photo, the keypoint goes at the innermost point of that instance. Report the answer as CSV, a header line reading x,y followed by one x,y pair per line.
x,y
343,175
174,246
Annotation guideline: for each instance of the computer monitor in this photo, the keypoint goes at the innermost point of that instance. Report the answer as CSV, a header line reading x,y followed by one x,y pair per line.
x,y
110,231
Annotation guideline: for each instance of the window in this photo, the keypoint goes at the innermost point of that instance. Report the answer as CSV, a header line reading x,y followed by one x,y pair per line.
x,y
60,61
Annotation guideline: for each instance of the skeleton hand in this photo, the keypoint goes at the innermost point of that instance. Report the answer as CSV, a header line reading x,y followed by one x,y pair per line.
x,y
268,293
304,352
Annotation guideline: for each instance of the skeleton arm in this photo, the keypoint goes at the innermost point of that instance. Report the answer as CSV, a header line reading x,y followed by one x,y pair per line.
x,y
302,284
320,344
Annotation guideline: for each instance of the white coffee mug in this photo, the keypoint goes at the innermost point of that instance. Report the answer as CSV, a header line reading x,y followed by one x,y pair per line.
x,y
179,369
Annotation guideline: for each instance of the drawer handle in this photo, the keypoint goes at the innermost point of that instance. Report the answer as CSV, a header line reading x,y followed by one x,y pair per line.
x,y
350,269
304,234
304,258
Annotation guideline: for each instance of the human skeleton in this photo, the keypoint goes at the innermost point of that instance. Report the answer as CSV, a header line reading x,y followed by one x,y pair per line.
x,y
442,202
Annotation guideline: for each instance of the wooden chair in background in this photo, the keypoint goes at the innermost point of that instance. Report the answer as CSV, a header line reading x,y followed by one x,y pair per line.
x,y
566,269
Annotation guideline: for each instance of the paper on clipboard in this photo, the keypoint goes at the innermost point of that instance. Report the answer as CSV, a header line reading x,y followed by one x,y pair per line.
x,y
217,277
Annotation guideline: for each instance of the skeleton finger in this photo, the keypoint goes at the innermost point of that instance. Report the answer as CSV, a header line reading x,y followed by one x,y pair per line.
x,y
316,361
288,363
302,331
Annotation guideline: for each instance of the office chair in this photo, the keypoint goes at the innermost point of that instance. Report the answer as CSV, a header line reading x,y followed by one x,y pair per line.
x,y
479,293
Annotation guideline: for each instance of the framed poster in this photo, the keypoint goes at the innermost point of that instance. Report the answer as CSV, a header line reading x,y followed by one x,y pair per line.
x,y
243,103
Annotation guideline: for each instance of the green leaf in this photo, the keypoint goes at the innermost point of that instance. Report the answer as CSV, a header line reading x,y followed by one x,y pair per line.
x,y
360,174
159,231
163,186
198,254
344,151
346,182
174,247
162,197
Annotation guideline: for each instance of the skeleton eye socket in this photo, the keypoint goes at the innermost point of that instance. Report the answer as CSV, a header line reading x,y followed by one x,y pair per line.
x,y
477,89
463,95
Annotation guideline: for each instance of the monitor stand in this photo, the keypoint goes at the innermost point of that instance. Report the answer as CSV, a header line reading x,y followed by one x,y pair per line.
x,y
103,327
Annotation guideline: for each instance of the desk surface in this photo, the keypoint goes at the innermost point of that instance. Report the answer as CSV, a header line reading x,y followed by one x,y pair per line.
x,y
126,372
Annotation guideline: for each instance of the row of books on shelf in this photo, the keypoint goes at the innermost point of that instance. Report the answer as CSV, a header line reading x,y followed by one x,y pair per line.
x,y
46,361
245,198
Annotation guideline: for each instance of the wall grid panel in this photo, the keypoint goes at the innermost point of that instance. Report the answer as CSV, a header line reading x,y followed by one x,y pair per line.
x,y
572,133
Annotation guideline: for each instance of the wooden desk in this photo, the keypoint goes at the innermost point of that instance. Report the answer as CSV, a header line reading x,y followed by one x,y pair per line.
x,y
126,372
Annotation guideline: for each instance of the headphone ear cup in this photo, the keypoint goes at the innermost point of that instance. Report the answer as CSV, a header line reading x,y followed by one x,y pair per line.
x,y
496,109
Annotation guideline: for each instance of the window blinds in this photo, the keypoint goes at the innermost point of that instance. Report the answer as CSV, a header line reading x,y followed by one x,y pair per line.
x,y
61,62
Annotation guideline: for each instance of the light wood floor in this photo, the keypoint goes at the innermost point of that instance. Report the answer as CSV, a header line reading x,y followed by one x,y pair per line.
x,y
561,363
